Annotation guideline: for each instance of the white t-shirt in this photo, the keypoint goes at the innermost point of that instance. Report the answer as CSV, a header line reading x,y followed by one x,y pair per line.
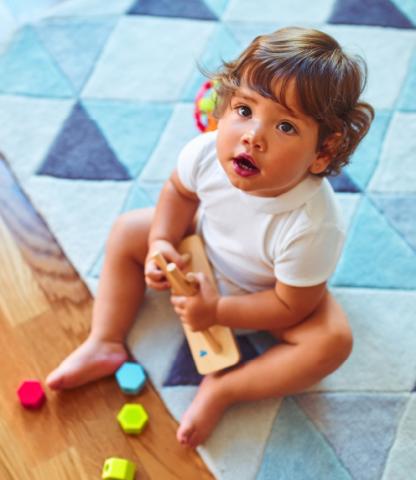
x,y
295,238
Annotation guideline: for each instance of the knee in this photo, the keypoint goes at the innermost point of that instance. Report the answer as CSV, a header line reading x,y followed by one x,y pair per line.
x,y
336,346
119,230
126,237
343,343
129,234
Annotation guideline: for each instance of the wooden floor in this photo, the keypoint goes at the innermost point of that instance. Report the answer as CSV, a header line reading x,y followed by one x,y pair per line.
x,y
44,313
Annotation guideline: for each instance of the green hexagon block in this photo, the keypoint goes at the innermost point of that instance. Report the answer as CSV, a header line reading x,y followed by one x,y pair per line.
x,y
118,469
132,418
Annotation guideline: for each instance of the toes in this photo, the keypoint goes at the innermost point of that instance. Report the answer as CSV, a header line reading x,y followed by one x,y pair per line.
x,y
183,441
189,436
182,438
54,381
184,433
189,439
56,385
193,440
84,366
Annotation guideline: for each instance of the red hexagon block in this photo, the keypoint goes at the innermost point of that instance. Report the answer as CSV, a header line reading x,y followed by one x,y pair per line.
x,y
31,394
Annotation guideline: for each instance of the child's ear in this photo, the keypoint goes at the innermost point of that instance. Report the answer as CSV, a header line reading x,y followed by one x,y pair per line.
x,y
328,149
319,165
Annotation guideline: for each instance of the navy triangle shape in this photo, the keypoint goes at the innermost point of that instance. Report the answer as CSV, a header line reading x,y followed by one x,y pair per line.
x,y
343,183
183,371
179,8
80,151
371,12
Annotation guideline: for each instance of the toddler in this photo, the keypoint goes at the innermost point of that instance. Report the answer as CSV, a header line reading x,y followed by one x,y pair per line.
x,y
289,114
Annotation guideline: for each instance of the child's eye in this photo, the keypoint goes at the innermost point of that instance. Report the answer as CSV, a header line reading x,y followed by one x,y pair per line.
x,y
243,111
286,127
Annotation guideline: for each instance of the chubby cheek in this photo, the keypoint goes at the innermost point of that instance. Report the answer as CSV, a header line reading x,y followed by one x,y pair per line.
x,y
220,150
227,139
224,143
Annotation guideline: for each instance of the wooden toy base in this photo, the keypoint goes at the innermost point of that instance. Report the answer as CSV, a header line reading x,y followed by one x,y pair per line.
x,y
206,360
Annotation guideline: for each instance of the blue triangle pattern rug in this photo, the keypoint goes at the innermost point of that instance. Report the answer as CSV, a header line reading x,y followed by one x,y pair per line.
x,y
95,104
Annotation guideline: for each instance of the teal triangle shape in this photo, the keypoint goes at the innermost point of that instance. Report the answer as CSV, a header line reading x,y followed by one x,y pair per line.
x,y
365,159
296,450
132,129
26,68
360,427
221,46
152,190
375,256
76,44
400,210
407,7
407,101
137,198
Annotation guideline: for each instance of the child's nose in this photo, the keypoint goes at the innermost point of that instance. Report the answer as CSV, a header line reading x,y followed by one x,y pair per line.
x,y
253,138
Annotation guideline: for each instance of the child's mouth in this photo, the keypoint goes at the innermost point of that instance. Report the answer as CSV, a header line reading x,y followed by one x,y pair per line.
x,y
244,165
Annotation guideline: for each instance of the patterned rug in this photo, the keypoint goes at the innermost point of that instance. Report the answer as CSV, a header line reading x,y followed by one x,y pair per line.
x,y
95,104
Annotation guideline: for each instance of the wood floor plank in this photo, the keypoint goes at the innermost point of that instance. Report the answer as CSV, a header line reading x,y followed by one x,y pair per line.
x,y
41,252
45,312
24,299
12,459
66,466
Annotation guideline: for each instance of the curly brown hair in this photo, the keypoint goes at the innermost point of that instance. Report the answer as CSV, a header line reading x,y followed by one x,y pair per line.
x,y
328,82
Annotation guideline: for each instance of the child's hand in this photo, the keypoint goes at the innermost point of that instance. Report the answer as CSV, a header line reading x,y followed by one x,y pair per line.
x,y
154,277
199,310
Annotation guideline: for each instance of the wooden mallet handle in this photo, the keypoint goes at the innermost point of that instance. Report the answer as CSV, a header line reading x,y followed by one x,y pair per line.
x,y
181,286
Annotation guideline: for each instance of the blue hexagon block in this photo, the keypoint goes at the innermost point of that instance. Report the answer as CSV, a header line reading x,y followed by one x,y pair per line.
x,y
131,378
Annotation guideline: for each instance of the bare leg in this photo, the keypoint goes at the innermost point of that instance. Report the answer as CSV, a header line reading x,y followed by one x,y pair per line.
x,y
119,296
310,351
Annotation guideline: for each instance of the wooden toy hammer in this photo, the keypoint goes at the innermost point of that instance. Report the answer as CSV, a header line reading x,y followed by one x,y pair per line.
x,y
181,285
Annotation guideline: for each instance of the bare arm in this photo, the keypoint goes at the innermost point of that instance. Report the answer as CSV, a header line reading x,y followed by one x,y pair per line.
x,y
174,213
281,307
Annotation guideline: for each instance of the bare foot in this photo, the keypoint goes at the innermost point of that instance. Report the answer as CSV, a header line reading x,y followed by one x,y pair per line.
x,y
90,361
203,414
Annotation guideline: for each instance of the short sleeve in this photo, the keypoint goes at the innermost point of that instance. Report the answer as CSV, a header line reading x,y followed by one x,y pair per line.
x,y
188,161
310,257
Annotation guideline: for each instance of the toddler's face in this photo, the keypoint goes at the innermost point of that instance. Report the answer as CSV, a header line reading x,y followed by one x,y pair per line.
x,y
264,148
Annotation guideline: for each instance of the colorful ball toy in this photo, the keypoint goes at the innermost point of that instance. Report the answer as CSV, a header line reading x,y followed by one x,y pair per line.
x,y
204,107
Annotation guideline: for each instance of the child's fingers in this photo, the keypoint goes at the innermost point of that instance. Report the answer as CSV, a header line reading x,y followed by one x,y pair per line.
x,y
156,275
172,255
178,301
151,267
179,304
153,272
164,285
185,258
178,311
